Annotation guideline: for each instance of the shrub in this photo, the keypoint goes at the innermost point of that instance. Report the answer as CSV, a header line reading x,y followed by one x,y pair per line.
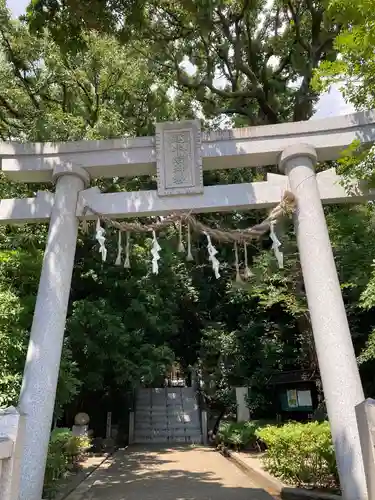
x,y
64,451
301,454
237,435
76,447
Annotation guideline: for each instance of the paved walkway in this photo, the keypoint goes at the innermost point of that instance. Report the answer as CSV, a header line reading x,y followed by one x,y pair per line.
x,y
156,473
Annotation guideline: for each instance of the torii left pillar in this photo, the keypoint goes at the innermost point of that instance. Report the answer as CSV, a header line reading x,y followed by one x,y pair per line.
x,y
41,373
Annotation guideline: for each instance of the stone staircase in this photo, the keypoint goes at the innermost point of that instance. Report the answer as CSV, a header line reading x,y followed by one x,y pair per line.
x,y
167,415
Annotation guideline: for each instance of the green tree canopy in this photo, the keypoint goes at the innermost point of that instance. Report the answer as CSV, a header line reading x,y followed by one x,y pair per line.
x,y
93,70
354,69
251,59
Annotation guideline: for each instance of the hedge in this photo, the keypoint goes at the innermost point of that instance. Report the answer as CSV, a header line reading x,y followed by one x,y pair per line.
x,y
238,435
301,454
64,453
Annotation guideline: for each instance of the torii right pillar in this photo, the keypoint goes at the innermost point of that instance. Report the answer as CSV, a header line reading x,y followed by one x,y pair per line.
x,y
337,362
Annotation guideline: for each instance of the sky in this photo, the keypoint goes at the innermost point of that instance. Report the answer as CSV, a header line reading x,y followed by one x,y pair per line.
x,y
17,7
331,103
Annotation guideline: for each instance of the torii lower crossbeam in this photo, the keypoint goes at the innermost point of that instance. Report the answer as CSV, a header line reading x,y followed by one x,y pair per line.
x,y
223,198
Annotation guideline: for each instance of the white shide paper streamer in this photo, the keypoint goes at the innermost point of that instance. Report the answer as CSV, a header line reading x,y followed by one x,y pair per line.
x,y
155,253
127,251
276,244
212,252
119,250
100,232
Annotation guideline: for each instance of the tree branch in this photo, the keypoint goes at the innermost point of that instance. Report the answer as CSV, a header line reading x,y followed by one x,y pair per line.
x,y
206,83
297,28
23,80
9,107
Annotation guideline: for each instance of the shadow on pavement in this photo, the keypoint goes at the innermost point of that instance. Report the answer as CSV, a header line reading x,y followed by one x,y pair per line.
x,y
181,473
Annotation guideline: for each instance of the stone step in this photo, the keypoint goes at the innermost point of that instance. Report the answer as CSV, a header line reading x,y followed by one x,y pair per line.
x,y
172,417
189,401
166,399
154,409
167,432
167,436
170,440
167,411
148,435
169,390
165,407
190,408
165,427
186,425
152,397
172,420
182,415
167,424
151,440
171,413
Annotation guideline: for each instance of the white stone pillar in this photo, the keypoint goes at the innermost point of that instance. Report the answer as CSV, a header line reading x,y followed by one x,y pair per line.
x,y
204,427
40,377
243,412
337,362
131,427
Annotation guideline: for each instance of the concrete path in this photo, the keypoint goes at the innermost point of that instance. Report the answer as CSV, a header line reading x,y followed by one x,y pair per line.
x,y
157,473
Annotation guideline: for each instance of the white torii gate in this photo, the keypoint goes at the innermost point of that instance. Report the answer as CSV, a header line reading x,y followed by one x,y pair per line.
x,y
178,154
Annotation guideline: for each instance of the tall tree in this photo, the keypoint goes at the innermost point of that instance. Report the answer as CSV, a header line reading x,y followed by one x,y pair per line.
x,y
105,91
120,65
252,59
102,92
354,69
354,73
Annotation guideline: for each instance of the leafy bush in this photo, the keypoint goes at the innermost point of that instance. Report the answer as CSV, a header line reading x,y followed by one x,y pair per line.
x,y
237,435
301,454
76,447
64,452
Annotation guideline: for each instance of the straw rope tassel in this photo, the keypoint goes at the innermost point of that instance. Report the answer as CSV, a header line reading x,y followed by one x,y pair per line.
x,y
247,271
238,276
100,232
181,246
127,251
189,256
119,250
